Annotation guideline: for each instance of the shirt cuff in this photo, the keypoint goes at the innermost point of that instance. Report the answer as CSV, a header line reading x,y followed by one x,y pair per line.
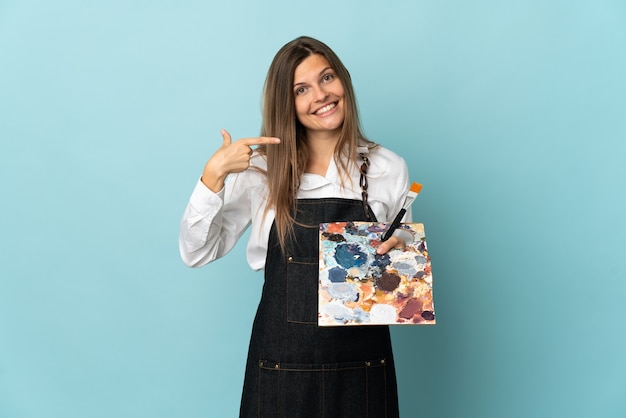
x,y
204,200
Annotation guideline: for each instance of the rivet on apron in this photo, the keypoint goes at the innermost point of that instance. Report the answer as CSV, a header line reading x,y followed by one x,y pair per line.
x,y
276,366
382,361
260,364
367,363
290,259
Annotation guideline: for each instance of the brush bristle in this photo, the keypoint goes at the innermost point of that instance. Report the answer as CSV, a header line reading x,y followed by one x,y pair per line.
x,y
416,187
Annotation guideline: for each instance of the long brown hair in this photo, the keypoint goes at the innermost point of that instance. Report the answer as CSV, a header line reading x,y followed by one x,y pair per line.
x,y
286,161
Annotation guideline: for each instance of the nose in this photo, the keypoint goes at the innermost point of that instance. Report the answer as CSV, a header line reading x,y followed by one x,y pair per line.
x,y
320,94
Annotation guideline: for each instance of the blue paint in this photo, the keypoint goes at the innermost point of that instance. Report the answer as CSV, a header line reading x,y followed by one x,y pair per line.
x,y
350,255
337,275
360,316
381,260
406,267
346,292
419,274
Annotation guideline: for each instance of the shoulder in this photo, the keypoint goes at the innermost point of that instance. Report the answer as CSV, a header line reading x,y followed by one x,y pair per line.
x,y
385,162
386,154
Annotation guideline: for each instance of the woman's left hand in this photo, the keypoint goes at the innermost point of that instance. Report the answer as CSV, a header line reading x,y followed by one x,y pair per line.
x,y
392,242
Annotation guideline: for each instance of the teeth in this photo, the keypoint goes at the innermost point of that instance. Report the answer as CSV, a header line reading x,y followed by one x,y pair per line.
x,y
325,109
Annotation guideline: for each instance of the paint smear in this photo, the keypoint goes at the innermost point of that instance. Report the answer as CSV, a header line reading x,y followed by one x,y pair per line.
x,y
350,255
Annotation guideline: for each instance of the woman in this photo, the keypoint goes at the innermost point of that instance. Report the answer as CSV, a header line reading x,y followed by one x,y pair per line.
x,y
312,165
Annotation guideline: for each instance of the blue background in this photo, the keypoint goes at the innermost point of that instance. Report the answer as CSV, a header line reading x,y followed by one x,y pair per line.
x,y
511,113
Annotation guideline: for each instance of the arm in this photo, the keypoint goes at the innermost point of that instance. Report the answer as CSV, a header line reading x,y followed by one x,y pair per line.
x,y
219,211
211,225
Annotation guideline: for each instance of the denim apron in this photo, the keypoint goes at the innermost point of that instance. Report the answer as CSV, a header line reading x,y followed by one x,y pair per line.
x,y
297,369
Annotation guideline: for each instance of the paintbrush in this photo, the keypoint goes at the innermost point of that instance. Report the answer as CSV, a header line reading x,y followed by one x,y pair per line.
x,y
410,197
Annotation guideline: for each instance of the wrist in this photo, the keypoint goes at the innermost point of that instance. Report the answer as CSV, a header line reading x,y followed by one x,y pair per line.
x,y
212,177
215,185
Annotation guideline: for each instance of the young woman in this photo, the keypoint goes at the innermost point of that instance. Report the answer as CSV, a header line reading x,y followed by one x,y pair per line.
x,y
311,165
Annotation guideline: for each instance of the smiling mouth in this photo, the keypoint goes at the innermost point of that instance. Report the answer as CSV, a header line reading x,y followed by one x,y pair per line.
x,y
325,109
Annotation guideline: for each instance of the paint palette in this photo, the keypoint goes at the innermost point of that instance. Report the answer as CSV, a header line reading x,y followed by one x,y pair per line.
x,y
359,287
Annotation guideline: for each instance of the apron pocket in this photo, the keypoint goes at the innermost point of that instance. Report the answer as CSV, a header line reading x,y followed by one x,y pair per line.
x,y
301,284
352,389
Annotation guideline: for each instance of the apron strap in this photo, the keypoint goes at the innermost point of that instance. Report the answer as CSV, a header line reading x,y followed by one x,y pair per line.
x,y
363,184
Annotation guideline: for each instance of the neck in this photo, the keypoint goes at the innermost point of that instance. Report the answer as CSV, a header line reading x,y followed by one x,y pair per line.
x,y
321,147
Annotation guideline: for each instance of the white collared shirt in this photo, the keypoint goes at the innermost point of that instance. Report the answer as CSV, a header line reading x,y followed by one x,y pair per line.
x,y
213,222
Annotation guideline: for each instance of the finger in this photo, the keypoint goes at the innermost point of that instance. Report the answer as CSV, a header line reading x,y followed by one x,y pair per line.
x,y
384,247
393,242
226,136
262,140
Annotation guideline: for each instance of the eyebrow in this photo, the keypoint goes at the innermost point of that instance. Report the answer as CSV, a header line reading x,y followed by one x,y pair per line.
x,y
320,74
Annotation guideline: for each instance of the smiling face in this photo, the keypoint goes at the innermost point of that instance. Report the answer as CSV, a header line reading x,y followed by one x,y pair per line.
x,y
319,97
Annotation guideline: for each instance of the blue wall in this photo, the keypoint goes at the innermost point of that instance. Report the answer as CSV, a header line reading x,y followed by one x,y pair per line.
x,y
512,115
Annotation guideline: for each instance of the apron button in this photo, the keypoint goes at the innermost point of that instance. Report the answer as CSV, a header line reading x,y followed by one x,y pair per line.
x,y
290,259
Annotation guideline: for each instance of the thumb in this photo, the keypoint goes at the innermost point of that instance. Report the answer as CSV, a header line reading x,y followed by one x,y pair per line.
x,y
391,243
384,247
226,136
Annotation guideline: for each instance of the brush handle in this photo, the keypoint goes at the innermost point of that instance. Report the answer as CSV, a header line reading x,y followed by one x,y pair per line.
x,y
394,225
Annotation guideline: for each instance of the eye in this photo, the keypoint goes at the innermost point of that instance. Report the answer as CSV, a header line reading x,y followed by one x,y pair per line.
x,y
299,91
328,77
